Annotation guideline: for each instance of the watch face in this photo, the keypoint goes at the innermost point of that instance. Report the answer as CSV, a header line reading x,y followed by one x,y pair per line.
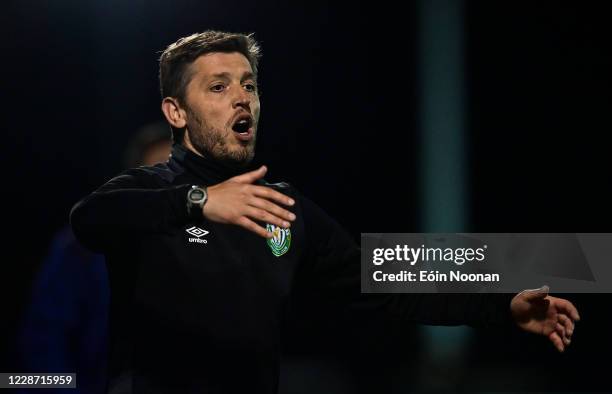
x,y
196,195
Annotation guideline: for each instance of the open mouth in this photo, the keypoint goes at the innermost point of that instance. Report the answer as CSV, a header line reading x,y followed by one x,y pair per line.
x,y
243,125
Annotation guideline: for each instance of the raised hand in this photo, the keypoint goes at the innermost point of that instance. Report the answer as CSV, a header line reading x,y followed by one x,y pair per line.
x,y
237,201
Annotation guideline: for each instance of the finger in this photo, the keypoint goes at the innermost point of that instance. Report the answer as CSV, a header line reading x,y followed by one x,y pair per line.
x,y
252,226
272,208
535,294
566,307
251,176
563,334
556,340
263,216
560,329
271,194
567,323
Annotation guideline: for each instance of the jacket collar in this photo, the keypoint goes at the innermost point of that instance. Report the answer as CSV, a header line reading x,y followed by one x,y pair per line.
x,y
209,170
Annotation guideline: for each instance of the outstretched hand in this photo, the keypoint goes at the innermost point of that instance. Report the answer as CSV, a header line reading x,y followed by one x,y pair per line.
x,y
237,201
537,312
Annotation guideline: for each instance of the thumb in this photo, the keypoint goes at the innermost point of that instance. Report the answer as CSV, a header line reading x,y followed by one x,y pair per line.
x,y
251,176
535,294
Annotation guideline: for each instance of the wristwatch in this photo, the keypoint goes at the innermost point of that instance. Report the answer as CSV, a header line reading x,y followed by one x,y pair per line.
x,y
196,198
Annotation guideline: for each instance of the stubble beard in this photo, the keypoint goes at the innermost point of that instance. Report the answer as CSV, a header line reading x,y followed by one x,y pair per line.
x,y
212,143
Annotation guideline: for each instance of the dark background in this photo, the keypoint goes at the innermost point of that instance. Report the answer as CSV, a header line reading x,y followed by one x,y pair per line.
x,y
339,121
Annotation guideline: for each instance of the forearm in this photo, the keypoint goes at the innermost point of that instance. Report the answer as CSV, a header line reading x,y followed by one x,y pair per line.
x,y
477,310
109,215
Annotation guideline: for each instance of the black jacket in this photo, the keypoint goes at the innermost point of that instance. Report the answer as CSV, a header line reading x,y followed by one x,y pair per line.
x,y
204,313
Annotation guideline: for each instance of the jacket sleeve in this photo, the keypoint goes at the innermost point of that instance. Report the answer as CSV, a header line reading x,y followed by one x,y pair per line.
x,y
334,274
131,204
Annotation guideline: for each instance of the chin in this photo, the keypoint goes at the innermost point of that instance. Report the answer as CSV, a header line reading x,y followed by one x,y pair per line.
x,y
238,160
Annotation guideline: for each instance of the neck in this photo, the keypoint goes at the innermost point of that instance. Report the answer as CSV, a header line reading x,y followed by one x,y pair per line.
x,y
188,145
207,168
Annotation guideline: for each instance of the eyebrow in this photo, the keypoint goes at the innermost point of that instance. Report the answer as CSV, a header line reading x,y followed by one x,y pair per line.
x,y
226,75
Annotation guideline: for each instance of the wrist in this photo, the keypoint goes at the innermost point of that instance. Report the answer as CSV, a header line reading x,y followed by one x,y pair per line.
x,y
197,196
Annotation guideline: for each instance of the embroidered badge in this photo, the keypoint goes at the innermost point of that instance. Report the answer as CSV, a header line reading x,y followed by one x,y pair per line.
x,y
281,242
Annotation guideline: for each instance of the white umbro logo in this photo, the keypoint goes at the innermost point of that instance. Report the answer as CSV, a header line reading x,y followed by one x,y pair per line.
x,y
198,233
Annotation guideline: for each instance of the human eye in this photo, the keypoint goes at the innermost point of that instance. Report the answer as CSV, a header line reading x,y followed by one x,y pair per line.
x,y
250,87
217,87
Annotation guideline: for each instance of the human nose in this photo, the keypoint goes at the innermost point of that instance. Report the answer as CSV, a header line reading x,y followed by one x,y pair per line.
x,y
242,99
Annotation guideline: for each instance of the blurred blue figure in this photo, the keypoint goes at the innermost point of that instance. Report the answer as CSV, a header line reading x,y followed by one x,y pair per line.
x,y
65,327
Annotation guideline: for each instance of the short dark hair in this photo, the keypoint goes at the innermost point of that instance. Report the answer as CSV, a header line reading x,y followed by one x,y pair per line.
x,y
174,62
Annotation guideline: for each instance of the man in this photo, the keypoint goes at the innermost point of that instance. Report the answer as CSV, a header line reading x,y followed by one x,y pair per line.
x,y
205,257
